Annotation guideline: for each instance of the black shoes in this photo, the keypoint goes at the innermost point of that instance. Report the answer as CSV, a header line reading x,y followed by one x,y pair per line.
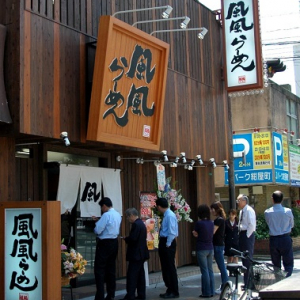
x,y
168,296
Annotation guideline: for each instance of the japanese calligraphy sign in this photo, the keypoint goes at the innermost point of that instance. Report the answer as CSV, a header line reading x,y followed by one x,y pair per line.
x,y
23,254
281,158
242,45
30,237
128,86
253,158
294,155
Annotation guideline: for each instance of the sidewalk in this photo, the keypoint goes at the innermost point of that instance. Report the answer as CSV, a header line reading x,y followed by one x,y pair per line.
x,y
189,280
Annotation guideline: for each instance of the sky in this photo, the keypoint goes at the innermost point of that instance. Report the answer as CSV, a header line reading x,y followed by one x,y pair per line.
x,y
280,22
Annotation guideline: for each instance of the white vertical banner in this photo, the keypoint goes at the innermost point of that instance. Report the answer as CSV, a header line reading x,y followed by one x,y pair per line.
x,y
112,187
90,191
68,185
161,177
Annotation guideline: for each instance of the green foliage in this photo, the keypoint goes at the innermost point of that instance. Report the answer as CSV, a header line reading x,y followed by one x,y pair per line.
x,y
262,229
296,229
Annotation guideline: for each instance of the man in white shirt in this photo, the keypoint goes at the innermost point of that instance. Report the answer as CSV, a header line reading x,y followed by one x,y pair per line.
x,y
247,227
107,229
280,221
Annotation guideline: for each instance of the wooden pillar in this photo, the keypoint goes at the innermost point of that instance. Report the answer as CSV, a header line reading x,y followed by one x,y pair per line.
x,y
7,169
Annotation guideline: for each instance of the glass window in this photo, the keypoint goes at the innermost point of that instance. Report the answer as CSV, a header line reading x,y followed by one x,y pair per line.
x,y
292,120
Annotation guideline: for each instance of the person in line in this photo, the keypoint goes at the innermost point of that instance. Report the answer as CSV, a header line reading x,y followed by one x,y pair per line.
x,y
280,221
107,229
167,249
137,253
246,227
204,232
218,241
231,236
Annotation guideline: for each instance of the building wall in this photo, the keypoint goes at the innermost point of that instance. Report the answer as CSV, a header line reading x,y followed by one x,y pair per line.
x,y
47,84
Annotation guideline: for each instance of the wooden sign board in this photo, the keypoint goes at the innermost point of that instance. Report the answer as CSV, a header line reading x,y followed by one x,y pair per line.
x,y
129,84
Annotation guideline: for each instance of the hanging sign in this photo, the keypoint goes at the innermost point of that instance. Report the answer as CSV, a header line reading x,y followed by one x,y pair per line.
x,y
243,58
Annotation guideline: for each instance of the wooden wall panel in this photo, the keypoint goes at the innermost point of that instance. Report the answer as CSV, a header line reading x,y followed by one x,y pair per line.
x,y
195,72
7,170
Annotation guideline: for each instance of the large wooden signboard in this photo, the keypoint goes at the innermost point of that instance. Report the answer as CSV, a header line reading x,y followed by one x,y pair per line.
x,y
30,250
128,90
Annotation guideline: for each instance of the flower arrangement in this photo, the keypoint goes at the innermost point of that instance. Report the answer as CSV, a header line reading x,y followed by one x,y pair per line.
x,y
72,262
176,202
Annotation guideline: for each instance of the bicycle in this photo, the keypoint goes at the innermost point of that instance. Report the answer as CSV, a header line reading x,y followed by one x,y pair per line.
x,y
261,275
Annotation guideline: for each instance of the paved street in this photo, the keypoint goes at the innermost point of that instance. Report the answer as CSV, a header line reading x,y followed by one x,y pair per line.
x,y
189,284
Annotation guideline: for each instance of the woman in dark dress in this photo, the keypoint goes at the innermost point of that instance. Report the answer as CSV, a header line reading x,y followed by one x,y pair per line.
x,y
231,236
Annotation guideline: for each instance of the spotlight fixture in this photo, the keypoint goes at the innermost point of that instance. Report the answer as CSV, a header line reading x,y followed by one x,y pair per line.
x,y
225,164
173,165
140,161
201,34
165,14
176,160
118,158
64,136
213,163
199,159
165,157
182,156
183,24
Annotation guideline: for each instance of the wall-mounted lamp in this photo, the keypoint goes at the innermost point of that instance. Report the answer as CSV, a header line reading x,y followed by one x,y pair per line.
x,y
183,24
166,13
225,164
64,136
165,157
140,161
199,159
213,163
256,130
201,34
182,156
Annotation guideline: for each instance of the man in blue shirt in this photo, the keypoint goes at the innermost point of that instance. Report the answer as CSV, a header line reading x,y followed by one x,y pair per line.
x,y
107,230
280,221
167,248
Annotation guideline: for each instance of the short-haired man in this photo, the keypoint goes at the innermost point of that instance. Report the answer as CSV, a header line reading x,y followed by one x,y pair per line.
x,y
107,229
167,248
137,253
280,221
247,227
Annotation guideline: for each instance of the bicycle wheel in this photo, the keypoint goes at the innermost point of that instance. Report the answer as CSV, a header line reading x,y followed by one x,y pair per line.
x,y
227,292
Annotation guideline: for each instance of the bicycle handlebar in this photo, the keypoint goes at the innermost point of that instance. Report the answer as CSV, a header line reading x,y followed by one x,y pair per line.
x,y
244,255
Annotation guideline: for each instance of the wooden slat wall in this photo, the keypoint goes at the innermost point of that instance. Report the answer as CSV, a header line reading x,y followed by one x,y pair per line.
x,y
195,72
136,178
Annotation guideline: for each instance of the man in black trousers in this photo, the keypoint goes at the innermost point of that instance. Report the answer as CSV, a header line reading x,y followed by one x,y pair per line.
x,y
107,229
137,253
167,249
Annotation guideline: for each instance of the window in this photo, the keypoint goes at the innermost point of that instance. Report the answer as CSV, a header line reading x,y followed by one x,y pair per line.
x,y
291,119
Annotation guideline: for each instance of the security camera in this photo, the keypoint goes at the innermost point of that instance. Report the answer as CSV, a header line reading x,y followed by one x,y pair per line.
x,y
64,136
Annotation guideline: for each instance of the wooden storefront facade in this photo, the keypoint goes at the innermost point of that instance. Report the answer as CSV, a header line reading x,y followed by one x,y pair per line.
x,y
48,71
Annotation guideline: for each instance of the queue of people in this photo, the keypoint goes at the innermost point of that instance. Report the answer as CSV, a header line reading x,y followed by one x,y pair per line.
x,y
214,240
